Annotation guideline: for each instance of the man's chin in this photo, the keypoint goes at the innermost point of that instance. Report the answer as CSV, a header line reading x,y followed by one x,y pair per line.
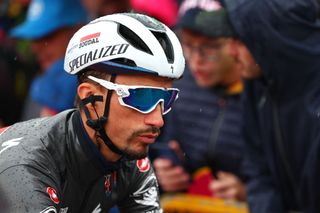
x,y
136,155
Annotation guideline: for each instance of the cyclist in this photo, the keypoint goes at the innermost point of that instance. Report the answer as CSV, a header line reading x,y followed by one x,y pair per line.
x,y
94,157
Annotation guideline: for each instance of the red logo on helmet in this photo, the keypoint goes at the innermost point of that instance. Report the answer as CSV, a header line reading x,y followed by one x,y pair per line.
x,y
91,36
143,164
53,195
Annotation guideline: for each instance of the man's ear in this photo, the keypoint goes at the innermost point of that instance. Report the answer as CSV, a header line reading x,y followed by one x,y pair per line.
x,y
86,89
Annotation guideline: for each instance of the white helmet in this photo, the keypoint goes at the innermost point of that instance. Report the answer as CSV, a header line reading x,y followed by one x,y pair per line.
x,y
126,43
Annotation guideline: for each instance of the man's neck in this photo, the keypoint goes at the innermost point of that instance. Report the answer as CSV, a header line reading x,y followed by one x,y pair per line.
x,y
100,144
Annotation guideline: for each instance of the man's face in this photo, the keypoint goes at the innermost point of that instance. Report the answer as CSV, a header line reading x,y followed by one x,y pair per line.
x,y
132,131
209,59
50,48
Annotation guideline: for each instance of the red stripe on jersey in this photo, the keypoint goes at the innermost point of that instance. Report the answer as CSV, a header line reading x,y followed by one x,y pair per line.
x,y
2,130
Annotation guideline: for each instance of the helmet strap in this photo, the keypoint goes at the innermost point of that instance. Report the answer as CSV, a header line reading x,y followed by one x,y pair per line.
x,y
98,124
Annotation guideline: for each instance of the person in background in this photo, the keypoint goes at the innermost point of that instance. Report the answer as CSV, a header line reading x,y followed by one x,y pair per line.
x,y
207,120
17,68
49,25
282,126
94,157
97,8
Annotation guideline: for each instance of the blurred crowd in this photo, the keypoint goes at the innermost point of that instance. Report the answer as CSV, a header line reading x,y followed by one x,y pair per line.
x,y
33,39
216,140
212,82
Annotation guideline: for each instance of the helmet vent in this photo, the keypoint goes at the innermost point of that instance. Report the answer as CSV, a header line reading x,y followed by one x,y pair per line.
x,y
133,39
165,44
124,61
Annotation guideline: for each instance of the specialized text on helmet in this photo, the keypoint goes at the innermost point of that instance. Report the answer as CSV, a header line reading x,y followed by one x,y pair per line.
x,y
97,54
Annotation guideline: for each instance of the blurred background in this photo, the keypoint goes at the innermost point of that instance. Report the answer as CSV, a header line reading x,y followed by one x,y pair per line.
x,y
26,87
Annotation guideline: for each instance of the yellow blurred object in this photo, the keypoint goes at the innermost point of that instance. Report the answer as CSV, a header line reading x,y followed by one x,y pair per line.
x,y
14,9
185,203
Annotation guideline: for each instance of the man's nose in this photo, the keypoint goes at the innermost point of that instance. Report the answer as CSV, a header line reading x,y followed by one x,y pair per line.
x,y
155,118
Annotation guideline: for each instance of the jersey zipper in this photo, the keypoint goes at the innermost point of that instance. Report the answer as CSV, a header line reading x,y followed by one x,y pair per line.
x,y
213,140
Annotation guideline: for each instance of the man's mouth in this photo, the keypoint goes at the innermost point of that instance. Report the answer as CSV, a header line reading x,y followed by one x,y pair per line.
x,y
148,138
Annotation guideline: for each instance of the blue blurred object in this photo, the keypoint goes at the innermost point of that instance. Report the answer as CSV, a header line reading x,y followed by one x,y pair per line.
x,y
114,210
56,89
46,16
164,151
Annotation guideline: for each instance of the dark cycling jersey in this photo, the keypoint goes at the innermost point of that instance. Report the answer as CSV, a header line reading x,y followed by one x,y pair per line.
x,y
50,165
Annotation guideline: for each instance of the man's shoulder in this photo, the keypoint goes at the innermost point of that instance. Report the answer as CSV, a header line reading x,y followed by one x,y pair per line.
x,y
17,134
28,142
32,129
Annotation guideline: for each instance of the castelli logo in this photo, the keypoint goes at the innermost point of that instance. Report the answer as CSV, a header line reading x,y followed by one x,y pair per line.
x,y
53,195
143,164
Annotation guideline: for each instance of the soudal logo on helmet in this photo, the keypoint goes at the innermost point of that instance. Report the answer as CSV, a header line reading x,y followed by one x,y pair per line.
x,y
72,48
89,39
103,52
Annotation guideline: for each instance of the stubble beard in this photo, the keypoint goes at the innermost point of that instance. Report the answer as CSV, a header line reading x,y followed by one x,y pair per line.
x,y
138,154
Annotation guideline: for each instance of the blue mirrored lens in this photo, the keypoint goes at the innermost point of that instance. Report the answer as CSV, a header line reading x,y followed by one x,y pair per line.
x,y
144,99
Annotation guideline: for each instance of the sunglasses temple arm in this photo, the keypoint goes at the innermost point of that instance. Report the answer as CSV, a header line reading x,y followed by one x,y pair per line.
x,y
106,84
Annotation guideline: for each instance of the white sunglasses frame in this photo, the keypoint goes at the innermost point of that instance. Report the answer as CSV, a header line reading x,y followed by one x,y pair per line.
x,y
123,91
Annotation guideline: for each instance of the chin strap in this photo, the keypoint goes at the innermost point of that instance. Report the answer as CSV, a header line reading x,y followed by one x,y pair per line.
x,y
98,124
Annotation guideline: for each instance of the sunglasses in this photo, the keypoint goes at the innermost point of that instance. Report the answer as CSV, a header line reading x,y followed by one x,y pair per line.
x,y
206,51
144,99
